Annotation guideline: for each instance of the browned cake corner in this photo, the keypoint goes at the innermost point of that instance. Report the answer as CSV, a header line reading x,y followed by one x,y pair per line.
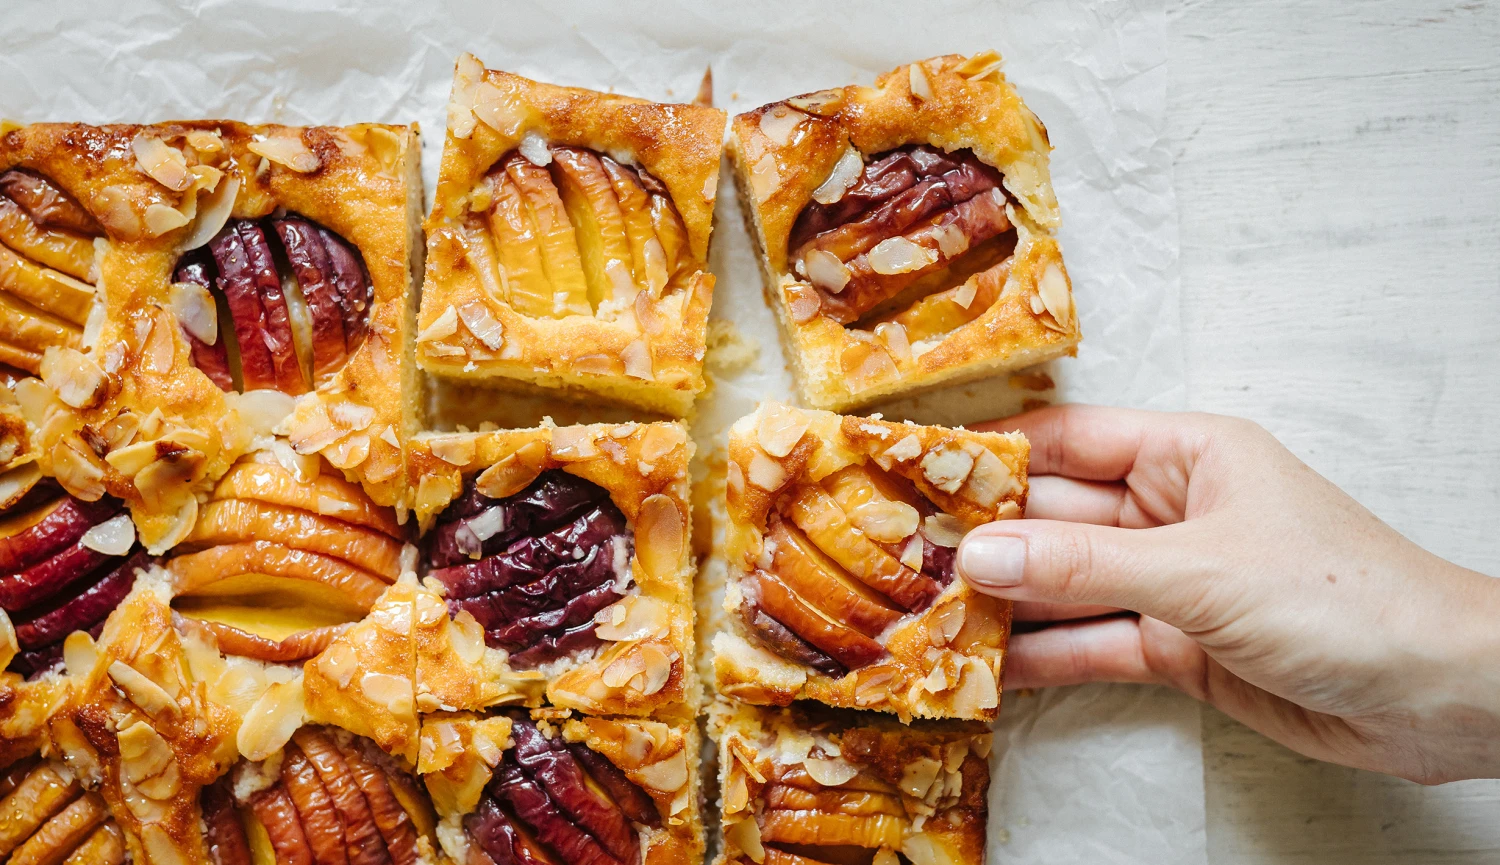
x,y
566,247
906,231
548,784
840,548
808,786
563,551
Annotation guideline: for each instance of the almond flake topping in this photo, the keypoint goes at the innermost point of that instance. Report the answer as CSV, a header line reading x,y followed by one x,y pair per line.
x,y
778,122
846,171
778,428
442,327
825,270
946,468
162,162
287,151
921,88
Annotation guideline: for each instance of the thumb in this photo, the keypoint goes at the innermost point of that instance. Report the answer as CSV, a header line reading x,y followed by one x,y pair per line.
x,y
1155,572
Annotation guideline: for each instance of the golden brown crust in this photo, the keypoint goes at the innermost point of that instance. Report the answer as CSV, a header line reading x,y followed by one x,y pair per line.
x,y
943,661
360,181
646,350
644,469
970,106
791,775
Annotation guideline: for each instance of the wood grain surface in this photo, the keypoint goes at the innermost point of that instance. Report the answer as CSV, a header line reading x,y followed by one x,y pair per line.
x,y
1338,182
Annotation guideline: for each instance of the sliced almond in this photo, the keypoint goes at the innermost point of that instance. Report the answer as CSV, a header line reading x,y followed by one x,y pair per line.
x,y
778,428
825,270
921,88
947,467
899,255
823,103
113,537
830,773
764,177
766,473
849,168
886,521
442,327
287,151
162,162
779,121
944,530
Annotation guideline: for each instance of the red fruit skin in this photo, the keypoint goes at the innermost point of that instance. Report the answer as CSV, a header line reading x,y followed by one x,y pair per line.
x,y
320,821
496,835
46,204
394,823
227,844
89,608
278,333
42,581
780,639
246,313
551,764
211,360
55,532
274,809
633,802
533,807
38,661
308,256
355,291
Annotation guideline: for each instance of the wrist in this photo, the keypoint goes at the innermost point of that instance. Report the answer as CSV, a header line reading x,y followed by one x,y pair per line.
x,y
1467,710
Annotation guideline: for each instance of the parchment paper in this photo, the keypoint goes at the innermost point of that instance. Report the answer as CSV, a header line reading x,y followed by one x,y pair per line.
x,y
1096,774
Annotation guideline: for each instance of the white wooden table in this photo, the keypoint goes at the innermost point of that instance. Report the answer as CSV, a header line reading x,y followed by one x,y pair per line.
x,y
1338,183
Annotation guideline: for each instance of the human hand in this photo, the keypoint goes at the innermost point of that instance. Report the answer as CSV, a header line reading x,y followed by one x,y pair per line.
x,y
1261,587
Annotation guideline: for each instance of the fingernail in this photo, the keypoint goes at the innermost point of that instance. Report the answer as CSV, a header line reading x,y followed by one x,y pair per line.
x,y
996,561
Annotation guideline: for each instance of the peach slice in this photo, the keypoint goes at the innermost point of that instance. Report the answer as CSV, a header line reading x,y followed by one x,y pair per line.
x,y
234,520
816,829
64,251
320,821
811,574
796,776
30,331
296,647
845,645
105,847
262,270
671,233
635,208
361,835
520,254
946,311
855,802
48,205
274,809
816,513
48,290
193,572
60,835
592,207
43,793
392,818
327,495
555,237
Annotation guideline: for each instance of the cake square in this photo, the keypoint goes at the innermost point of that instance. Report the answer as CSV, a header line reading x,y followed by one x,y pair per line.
x,y
567,243
807,785
584,788
840,545
269,259
906,231
563,553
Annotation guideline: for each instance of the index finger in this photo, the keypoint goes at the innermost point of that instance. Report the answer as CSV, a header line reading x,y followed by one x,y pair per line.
x,y
1085,441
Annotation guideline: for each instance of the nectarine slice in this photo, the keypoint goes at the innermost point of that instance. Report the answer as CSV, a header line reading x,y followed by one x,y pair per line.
x,y
635,209
555,237
819,829
946,311
845,645
234,520
816,513
247,314
327,495
819,580
597,221
193,572
63,251
855,802
520,252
